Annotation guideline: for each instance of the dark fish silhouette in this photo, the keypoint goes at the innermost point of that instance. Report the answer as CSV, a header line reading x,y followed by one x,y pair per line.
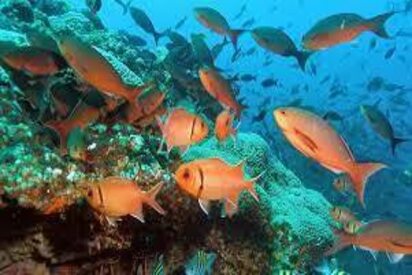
x,y
381,125
181,23
144,22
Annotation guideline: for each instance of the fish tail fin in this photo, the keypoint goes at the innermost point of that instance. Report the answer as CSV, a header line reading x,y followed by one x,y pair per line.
x,y
158,35
359,177
234,36
302,57
342,241
396,141
60,128
151,198
378,24
127,6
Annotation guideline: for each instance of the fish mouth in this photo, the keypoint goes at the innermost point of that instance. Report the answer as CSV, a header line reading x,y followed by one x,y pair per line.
x,y
280,118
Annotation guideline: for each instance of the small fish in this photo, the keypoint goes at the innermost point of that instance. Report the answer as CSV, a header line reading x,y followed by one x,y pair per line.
x,y
94,5
373,43
342,183
133,39
217,49
224,126
341,28
34,61
248,23
316,139
201,263
143,21
125,6
278,42
98,72
82,116
116,197
269,82
76,144
342,215
325,79
390,53
394,238
332,115
181,23
219,88
182,129
213,20
260,116
381,125
241,12
250,51
204,178
247,77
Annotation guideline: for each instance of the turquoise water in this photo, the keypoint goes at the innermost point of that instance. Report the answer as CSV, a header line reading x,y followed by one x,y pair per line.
x,y
362,73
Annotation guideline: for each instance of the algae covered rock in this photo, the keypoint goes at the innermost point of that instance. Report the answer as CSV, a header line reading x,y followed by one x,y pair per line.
x,y
300,214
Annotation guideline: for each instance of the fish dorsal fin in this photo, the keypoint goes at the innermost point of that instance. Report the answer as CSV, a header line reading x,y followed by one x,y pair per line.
x,y
240,166
307,141
231,207
138,213
204,205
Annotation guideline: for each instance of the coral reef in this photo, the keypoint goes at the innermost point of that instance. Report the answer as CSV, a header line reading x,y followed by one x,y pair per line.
x,y
49,225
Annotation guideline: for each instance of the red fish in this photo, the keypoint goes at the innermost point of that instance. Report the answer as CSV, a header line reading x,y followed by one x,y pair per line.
x,y
182,129
98,72
384,236
34,61
116,197
316,139
213,179
220,89
224,126
213,20
82,116
341,28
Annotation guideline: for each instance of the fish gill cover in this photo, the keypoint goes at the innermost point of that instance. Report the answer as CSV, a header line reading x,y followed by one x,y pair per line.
x,y
193,137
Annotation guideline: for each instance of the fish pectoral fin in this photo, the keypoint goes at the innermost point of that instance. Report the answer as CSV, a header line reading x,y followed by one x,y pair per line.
x,y
372,252
111,221
138,214
204,205
230,208
394,257
306,140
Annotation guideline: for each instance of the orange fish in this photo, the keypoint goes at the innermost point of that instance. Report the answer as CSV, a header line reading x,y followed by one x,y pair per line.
x,y
213,179
383,236
224,126
34,61
341,28
219,88
316,139
82,116
182,129
116,197
98,72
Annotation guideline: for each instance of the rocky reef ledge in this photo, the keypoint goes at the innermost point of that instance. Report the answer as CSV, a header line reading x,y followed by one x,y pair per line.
x,y
47,225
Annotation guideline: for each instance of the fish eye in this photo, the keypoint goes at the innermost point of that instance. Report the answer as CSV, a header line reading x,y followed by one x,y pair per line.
x,y
90,193
186,174
283,112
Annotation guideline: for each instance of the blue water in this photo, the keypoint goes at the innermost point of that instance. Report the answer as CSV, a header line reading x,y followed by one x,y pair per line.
x,y
352,65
